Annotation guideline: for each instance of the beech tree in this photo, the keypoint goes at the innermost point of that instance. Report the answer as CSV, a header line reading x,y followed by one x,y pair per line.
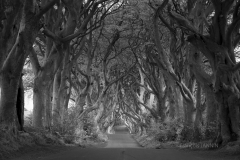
x,y
218,43
20,23
153,65
57,48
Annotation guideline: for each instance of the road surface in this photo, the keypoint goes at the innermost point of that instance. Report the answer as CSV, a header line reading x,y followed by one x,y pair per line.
x,y
121,139
121,146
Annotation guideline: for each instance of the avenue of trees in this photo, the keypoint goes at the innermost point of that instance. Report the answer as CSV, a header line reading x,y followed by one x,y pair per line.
x,y
156,65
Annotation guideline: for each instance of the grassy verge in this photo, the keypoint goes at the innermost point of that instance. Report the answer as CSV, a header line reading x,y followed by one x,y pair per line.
x,y
147,141
14,143
11,142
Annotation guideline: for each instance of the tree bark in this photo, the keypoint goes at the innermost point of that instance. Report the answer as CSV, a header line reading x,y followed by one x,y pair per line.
x,y
40,96
198,114
218,47
20,105
12,67
98,117
55,104
212,112
62,92
48,109
9,91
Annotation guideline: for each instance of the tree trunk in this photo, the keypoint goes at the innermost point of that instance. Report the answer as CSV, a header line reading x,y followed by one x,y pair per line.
x,y
11,72
229,117
98,130
40,97
55,105
9,92
62,91
66,101
97,118
218,47
48,109
79,103
141,93
212,112
110,128
172,104
198,114
189,111
20,105
179,105
229,104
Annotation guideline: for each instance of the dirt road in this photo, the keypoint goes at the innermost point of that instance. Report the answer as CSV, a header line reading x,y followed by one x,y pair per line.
x,y
122,146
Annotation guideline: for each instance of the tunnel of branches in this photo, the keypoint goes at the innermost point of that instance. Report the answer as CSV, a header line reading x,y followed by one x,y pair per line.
x,y
165,67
